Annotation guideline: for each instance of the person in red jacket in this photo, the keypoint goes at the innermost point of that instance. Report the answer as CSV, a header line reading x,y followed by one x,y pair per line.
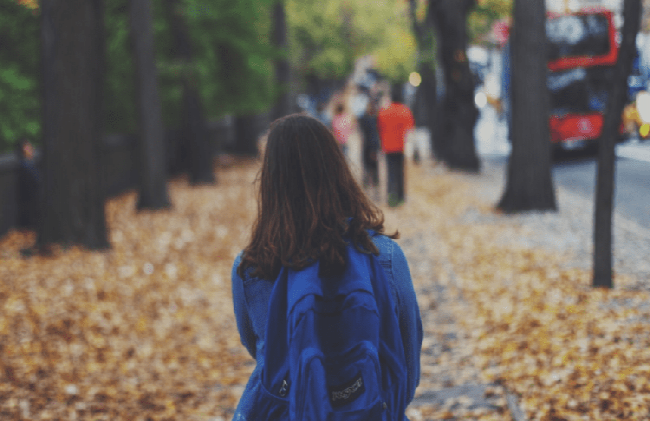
x,y
394,122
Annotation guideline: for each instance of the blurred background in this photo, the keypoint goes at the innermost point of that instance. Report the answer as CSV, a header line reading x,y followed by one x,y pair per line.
x,y
136,126
177,82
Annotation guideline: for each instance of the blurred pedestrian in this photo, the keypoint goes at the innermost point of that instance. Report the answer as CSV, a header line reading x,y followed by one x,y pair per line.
x,y
343,126
371,144
28,186
314,219
394,122
321,114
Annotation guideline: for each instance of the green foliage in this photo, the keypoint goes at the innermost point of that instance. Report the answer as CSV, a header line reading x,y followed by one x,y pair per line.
x,y
396,55
230,60
327,36
19,75
231,66
119,93
233,56
484,15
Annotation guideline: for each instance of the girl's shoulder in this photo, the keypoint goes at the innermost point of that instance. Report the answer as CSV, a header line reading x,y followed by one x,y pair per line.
x,y
386,245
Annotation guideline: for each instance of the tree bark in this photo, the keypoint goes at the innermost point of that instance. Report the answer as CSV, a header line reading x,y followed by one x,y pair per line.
x,y
425,111
604,203
282,68
194,132
72,33
529,184
455,134
247,131
153,183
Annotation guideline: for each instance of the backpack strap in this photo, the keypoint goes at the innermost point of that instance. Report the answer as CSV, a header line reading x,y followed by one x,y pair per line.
x,y
276,377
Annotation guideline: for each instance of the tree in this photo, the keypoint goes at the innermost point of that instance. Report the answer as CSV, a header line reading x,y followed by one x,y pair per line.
x,y
425,100
483,17
327,36
454,137
19,74
529,184
194,129
73,77
282,67
153,186
602,276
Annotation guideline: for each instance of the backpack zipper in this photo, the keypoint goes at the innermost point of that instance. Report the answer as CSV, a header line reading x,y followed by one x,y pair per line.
x,y
284,389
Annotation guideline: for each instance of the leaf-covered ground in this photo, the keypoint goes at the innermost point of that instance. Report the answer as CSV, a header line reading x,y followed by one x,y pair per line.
x,y
146,330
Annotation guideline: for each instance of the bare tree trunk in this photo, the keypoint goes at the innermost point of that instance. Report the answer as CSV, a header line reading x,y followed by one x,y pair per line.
x,y
73,79
282,67
425,97
529,184
455,145
153,185
247,132
606,155
246,126
194,132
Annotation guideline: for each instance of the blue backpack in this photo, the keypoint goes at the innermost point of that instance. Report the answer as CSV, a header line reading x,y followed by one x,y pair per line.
x,y
334,350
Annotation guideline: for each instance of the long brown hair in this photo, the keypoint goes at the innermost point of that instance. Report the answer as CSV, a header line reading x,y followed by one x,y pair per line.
x,y
308,201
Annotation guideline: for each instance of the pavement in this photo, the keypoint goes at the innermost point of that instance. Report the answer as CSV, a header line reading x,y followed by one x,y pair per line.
x,y
452,386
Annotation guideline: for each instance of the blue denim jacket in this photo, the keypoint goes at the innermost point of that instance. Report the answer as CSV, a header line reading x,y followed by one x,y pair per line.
x,y
251,297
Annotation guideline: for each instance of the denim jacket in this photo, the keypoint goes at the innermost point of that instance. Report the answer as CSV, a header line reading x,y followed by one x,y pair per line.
x,y
251,297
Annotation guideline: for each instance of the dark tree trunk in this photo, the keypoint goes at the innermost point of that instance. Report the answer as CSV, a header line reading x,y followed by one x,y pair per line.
x,y
604,202
194,132
245,125
282,68
153,183
247,132
454,142
73,79
425,96
529,184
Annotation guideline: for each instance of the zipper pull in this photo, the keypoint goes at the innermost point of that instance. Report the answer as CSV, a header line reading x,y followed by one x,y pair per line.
x,y
284,388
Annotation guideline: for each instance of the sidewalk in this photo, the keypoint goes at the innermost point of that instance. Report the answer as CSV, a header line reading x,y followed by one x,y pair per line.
x,y
147,329
507,301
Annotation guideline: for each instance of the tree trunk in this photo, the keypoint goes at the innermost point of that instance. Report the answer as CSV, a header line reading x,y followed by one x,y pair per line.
x,y
606,154
425,97
455,144
194,133
282,68
73,79
153,185
247,131
529,184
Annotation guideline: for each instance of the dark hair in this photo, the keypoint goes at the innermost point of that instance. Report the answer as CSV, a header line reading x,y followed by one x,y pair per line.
x,y
397,92
339,108
308,201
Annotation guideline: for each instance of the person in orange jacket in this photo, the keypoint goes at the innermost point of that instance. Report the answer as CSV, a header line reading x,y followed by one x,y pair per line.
x,y
394,122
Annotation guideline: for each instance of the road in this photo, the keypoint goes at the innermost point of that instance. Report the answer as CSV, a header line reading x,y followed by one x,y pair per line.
x,y
577,171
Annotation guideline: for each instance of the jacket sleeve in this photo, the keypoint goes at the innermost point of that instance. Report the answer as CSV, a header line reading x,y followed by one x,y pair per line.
x,y
244,324
409,318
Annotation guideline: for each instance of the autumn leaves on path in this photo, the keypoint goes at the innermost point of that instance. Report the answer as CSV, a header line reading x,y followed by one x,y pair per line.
x,y
146,330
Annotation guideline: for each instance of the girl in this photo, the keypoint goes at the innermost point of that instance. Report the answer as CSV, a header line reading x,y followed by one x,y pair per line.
x,y
309,205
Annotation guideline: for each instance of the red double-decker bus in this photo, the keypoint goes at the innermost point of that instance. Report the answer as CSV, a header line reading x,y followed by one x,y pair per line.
x,y
582,52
